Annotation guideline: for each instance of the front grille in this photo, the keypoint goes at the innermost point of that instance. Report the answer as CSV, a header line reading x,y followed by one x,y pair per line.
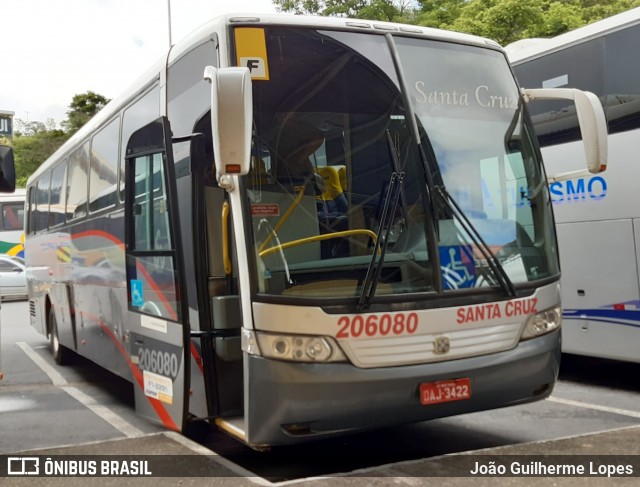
x,y
420,349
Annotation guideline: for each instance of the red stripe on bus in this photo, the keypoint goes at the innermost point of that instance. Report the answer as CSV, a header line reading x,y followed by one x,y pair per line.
x,y
197,357
98,233
172,313
108,236
161,411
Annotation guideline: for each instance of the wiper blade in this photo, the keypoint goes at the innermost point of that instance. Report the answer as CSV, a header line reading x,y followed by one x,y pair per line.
x,y
382,241
498,270
391,199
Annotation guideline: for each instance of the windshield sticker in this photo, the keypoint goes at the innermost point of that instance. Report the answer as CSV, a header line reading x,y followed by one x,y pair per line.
x,y
158,387
251,51
137,293
266,209
458,269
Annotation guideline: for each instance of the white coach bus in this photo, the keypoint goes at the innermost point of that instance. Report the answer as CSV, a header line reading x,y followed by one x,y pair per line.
x,y
300,227
7,185
597,216
12,223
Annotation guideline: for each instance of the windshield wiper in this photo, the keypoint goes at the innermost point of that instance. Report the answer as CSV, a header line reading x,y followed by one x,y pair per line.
x,y
391,200
498,270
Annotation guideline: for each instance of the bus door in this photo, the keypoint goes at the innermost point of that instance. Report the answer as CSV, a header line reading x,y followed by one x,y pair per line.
x,y
156,291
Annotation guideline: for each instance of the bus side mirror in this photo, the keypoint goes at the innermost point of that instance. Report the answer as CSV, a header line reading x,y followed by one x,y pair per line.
x,y
231,121
7,170
593,126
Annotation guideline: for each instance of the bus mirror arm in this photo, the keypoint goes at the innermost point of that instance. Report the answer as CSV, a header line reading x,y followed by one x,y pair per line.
x,y
231,122
563,176
593,125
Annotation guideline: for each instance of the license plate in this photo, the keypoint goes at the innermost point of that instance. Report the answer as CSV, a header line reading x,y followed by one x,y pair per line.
x,y
445,391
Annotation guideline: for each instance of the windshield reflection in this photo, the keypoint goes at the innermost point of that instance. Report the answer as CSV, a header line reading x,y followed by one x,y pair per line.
x,y
331,132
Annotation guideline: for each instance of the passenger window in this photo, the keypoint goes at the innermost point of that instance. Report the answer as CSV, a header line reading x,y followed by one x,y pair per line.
x,y
57,197
12,216
77,183
104,167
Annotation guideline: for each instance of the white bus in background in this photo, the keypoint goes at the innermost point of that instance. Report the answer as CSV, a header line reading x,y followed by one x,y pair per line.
x,y
398,277
7,185
597,216
12,223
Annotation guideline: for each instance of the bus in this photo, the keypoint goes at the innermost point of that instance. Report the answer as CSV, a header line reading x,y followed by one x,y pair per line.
x,y
299,227
12,222
6,126
597,216
7,185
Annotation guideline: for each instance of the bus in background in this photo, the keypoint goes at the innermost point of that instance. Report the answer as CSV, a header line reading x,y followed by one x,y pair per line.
x,y
597,216
6,127
298,227
7,185
12,223
11,205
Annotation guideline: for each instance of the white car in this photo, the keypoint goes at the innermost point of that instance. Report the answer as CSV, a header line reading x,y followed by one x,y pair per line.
x,y
13,278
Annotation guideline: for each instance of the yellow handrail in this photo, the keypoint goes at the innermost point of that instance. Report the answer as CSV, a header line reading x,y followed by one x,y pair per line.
x,y
283,218
226,257
317,238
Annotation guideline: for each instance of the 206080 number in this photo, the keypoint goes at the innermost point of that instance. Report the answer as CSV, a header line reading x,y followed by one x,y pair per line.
x,y
377,325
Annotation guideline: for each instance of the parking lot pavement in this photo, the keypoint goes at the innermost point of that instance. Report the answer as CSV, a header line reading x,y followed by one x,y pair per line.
x,y
183,462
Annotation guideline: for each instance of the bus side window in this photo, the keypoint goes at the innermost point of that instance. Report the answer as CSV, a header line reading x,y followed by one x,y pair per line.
x,y
12,216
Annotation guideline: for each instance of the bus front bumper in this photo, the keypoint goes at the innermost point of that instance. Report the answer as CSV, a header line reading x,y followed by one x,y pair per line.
x,y
292,402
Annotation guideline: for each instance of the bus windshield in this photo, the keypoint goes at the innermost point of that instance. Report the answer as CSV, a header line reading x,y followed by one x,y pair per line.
x,y
344,176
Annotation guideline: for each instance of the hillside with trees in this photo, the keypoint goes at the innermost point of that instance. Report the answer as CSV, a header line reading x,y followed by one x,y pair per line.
x,y
504,21
34,142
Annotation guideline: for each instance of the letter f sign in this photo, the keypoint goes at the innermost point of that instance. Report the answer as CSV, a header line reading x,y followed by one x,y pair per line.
x,y
256,66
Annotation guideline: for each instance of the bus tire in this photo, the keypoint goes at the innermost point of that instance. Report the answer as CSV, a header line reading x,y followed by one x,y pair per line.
x,y
61,354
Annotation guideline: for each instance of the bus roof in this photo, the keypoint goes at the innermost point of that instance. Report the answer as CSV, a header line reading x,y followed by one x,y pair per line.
x,y
18,195
357,25
203,33
527,49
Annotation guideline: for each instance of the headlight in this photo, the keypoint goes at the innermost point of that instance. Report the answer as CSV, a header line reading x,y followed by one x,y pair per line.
x,y
542,323
295,348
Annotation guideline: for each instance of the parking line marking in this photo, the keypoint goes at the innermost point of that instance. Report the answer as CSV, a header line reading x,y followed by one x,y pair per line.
x,y
202,450
569,402
52,373
111,417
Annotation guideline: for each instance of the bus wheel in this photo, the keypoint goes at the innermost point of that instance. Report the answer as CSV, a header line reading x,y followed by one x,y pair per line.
x,y
61,354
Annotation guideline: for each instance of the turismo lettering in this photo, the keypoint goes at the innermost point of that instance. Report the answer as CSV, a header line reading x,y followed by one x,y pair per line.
x,y
494,311
594,189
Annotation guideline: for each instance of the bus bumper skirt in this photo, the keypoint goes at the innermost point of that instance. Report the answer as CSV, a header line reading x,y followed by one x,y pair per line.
x,y
293,402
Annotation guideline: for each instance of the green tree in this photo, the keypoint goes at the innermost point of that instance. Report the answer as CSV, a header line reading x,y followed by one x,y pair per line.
x,y
387,10
81,109
33,143
504,21
507,21
438,13
300,7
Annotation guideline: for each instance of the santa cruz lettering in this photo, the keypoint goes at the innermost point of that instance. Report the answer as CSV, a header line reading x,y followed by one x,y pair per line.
x,y
493,311
377,325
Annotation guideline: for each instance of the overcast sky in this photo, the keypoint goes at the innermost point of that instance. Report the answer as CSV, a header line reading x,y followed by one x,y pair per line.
x,y
52,50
